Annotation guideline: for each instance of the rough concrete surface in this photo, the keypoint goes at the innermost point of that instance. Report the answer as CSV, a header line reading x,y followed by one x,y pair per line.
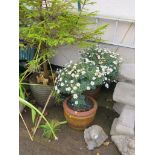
x,y
70,142
124,93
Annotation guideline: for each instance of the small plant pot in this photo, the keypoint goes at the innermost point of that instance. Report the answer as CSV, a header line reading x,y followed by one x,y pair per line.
x,y
79,120
93,93
41,92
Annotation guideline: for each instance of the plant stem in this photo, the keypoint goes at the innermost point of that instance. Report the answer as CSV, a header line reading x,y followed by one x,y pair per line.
x,y
41,114
45,68
40,118
26,126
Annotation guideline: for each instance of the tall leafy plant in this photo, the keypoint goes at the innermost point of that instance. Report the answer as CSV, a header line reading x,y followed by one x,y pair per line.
x,y
47,24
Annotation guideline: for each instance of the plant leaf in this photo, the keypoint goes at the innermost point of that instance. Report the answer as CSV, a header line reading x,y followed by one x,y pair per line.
x,y
33,114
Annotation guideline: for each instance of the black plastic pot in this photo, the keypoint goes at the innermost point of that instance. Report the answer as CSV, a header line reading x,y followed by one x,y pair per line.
x,y
40,92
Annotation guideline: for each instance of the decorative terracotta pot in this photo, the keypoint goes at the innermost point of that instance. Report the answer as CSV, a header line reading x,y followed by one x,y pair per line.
x,y
93,93
79,120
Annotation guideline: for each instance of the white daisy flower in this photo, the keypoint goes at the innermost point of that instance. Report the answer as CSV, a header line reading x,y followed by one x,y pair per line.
x,y
72,81
92,83
106,85
78,84
68,89
73,75
76,102
94,78
88,88
83,72
115,62
76,76
75,96
62,84
75,88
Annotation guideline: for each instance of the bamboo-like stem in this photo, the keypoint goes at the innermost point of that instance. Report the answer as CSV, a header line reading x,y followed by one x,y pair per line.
x,y
40,118
26,126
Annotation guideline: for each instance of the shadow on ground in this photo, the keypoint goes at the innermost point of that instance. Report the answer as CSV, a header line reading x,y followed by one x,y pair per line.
x,y
70,142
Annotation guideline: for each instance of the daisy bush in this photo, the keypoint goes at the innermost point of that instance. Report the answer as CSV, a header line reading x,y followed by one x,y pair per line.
x,y
76,78
106,61
96,67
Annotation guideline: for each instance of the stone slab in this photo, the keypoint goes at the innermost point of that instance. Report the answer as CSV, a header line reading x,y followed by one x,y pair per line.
x,y
127,73
125,144
124,93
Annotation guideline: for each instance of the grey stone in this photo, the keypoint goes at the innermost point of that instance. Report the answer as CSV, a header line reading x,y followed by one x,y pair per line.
x,y
127,120
125,144
127,73
113,127
94,136
124,125
124,93
118,107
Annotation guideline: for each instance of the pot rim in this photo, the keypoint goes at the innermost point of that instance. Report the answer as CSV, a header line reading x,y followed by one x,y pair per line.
x,y
80,114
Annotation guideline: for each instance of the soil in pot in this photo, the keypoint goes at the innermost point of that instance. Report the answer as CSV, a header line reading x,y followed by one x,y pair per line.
x,y
41,92
77,119
89,105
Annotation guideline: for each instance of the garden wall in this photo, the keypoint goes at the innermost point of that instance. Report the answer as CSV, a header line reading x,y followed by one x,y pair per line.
x,y
119,36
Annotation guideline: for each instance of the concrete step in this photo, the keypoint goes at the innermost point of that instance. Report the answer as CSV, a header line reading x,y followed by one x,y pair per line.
x,y
125,144
127,73
124,125
124,93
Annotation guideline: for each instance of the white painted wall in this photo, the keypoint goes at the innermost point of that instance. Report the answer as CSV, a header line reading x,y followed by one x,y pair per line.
x,y
115,8
109,10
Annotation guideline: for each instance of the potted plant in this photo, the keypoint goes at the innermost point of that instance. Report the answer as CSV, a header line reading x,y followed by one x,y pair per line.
x,y
46,25
89,73
106,62
74,80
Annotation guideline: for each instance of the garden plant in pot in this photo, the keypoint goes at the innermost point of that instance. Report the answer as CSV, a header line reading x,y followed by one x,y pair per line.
x,y
107,65
75,79
45,25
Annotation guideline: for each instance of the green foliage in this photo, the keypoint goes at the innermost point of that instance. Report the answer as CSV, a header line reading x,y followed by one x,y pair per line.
x,y
106,61
33,114
55,125
51,23
31,106
96,67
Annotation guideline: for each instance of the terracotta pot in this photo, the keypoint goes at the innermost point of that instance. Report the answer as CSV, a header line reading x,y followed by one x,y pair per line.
x,y
93,93
79,120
